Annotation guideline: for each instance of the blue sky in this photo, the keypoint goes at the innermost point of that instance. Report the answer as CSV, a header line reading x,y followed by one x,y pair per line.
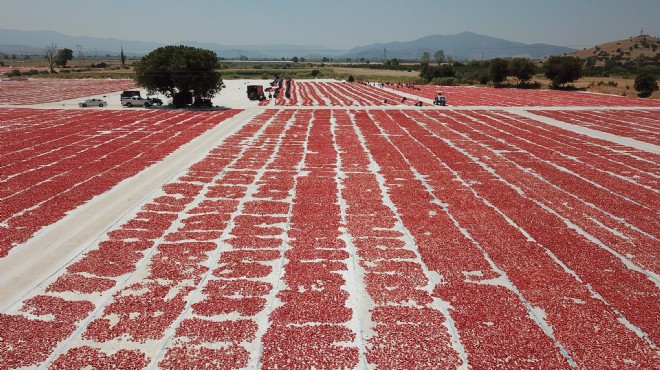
x,y
340,24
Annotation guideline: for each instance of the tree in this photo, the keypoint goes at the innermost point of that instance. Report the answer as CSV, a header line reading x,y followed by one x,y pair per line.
x,y
391,62
498,70
63,56
315,73
51,52
522,69
562,69
439,57
426,58
295,59
182,72
122,57
431,72
645,85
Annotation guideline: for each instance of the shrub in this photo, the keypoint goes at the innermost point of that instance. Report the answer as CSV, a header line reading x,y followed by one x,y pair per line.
x,y
445,81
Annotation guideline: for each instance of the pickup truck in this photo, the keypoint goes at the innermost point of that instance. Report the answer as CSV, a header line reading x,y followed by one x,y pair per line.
x,y
136,101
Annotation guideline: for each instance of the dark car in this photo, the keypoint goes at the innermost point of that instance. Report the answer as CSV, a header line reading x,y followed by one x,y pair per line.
x,y
156,101
129,94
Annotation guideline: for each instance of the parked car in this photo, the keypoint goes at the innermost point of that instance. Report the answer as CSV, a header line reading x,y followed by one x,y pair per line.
x,y
93,103
155,101
135,101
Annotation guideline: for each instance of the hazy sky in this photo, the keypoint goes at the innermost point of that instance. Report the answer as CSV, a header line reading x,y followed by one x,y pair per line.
x,y
340,24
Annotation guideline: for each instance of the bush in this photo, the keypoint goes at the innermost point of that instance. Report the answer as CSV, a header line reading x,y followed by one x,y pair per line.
x,y
445,81
430,73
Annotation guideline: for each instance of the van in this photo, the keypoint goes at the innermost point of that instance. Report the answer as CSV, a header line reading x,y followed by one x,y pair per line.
x,y
130,93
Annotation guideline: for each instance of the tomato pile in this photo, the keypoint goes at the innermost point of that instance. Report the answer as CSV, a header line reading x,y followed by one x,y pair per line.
x,y
642,125
342,238
492,97
55,160
340,94
37,91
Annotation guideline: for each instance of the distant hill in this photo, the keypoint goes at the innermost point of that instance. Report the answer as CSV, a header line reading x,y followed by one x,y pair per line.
x,y
274,51
628,49
465,45
35,42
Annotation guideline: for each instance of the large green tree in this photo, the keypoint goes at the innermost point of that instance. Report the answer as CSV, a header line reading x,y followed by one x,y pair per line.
x,y
645,85
562,69
522,69
63,56
498,70
181,72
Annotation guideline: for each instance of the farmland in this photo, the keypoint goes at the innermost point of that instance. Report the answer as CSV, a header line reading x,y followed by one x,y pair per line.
x,y
340,227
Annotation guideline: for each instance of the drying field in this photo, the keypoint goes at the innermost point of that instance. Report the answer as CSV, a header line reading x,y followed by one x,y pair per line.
x,y
490,97
35,91
341,227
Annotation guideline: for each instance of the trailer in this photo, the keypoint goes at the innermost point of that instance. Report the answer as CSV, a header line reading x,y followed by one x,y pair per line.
x,y
255,92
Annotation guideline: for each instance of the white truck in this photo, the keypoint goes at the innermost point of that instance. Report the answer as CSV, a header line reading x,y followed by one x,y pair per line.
x,y
135,101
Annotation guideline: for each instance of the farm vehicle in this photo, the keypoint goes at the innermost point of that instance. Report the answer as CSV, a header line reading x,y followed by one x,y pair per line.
x,y
255,92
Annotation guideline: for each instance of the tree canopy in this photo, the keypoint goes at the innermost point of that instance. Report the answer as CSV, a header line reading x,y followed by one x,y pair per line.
x,y
428,73
522,69
122,56
439,57
63,56
426,58
182,72
645,85
498,70
562,69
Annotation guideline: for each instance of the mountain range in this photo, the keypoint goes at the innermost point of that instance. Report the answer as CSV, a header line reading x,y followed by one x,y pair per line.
x,y
462,46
